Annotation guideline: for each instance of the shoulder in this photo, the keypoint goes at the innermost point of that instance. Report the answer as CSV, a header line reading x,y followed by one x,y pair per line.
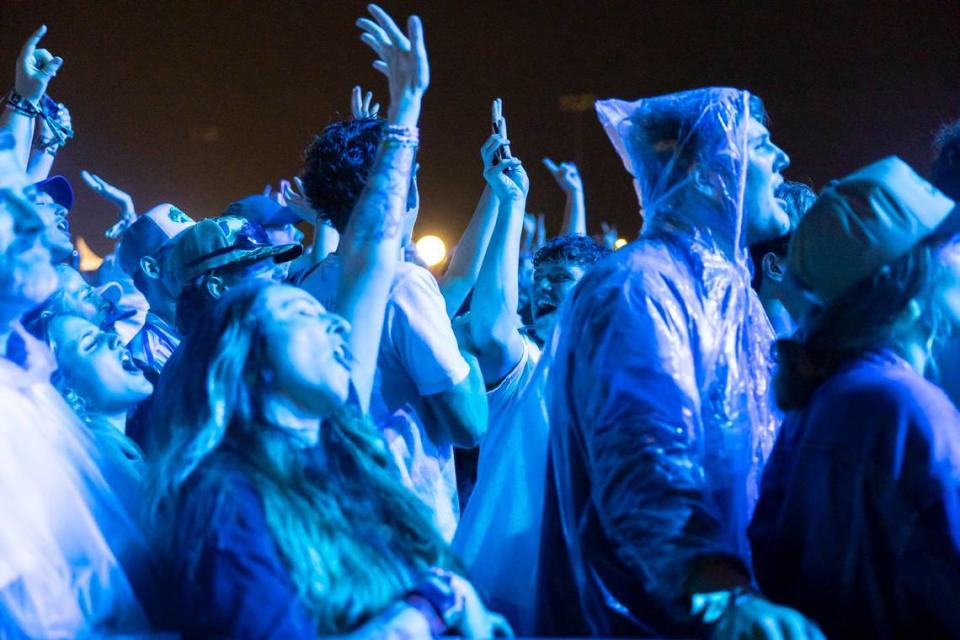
x,y
413,277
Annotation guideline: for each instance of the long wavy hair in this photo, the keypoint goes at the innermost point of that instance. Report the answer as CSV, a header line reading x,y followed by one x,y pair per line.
x,y
873,315
353,537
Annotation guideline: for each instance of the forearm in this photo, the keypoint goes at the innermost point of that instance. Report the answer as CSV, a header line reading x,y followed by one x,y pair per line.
x,y
369,249
41,163
21,128
467,260
494,322
574,214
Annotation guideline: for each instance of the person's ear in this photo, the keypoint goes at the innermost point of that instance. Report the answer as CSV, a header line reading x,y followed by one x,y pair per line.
x,y
772,267
215,286
704,182
150,266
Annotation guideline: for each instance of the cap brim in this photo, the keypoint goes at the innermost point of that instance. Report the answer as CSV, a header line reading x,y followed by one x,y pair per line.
x,y
111,292
280,253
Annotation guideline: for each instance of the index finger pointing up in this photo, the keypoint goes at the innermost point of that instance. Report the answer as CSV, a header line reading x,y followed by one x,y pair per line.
x,y
33,41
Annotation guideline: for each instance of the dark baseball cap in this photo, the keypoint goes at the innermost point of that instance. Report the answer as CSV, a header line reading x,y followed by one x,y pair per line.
x,y
58,188
866,220
218,242
263,210
149,233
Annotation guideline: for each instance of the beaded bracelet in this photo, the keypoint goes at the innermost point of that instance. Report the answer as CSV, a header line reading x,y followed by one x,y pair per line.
x,y
402,136
16,102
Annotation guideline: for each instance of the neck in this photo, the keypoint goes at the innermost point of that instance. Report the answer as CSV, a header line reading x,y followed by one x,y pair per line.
x,y
914,350
780,319
116,420
282,411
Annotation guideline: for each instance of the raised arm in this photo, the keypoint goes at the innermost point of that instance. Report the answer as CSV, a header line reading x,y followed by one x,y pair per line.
x,y
371,242
493,322
35,69
126,212
464,268
45,148
575,210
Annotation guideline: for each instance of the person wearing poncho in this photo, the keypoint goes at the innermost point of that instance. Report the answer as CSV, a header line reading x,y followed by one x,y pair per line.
x,y
658,397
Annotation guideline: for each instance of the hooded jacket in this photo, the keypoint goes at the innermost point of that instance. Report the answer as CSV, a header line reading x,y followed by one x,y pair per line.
x,y
658,397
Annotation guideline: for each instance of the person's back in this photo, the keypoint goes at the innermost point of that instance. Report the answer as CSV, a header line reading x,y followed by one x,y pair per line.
x,y
650,349
855,477
418,357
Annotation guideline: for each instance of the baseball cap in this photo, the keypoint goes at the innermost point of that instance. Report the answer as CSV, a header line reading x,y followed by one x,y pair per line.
x,y
59,189
149,233
218,242
866,220
263,210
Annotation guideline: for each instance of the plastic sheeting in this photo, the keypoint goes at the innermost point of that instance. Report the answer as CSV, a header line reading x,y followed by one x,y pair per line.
x,y
63,528
658,397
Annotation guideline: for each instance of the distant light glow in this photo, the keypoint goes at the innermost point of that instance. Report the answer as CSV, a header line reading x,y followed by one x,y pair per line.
x,y
620,242
432,250
89,261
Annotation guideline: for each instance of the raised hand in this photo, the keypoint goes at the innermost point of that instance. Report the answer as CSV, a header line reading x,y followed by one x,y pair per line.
x,y
566,174
298,200
35,68
124,203
507,179
360,104
402,58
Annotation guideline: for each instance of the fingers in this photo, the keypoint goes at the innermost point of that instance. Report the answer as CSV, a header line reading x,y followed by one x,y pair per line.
x,y
32,42
499,627
551,165
94,182
376,45
417,43
366,101
496,111
297,180
382,67
489,148
374,110
383,19
355,104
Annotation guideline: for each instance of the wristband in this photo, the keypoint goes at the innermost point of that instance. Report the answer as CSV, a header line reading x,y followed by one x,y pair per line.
x,y
16,102
401,136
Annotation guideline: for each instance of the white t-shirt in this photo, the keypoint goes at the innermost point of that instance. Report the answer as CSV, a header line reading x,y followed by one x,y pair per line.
x,y
419,356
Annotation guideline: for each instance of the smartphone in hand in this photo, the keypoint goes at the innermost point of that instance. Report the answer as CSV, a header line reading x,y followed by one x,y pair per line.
x,y
499,125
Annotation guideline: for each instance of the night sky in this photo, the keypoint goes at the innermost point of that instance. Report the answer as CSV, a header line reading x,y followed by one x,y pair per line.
x,y
203,102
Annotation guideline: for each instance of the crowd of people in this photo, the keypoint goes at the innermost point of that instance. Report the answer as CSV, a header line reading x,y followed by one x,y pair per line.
x,y
742,423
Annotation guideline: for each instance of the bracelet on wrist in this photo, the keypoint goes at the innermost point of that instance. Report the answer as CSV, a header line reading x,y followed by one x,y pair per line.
x,y
16,102
401,136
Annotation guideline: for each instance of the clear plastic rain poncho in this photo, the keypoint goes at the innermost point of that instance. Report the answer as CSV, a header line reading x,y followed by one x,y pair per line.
x,y
658,399
62,528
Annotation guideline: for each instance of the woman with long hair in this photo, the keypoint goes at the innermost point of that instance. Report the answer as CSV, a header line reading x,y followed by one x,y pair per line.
x,y
858,522
283,511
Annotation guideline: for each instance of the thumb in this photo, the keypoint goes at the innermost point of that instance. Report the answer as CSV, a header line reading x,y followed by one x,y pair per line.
x,y
50,69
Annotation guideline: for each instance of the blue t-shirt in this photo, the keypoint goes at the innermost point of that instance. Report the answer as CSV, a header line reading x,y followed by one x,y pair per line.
x,y
858,522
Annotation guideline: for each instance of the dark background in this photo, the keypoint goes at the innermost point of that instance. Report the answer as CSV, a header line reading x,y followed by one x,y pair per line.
x,y
199,103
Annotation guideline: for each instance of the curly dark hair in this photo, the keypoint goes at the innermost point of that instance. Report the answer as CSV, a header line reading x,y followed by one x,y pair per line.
x,y
946,167
581,250
337,164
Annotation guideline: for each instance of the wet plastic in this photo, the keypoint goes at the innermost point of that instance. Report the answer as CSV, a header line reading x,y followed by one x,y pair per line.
x,y
63,528
658,398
